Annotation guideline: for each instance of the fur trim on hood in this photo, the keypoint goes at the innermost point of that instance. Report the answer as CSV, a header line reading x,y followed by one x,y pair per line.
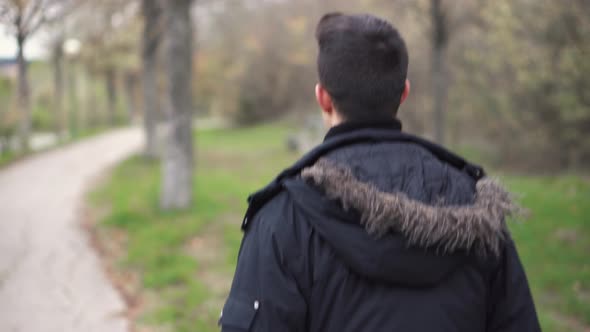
x,y
449,228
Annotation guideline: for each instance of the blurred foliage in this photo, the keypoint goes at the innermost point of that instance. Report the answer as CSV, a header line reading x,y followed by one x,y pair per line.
x,y
528,80
256,63
81,89
519,72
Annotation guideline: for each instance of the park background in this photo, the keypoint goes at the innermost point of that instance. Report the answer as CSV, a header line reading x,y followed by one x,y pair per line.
x,y
223,90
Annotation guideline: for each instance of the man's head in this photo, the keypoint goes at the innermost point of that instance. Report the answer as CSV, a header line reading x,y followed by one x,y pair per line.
x,y
362,67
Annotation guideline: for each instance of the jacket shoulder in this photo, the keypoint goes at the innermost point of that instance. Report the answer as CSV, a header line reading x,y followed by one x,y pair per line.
x,y
279,218
271,209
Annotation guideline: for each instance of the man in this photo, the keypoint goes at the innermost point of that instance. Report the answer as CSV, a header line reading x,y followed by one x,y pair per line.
x,y
376,230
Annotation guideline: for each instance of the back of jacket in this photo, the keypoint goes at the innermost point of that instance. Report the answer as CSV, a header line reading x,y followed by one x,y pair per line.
x,y
381,236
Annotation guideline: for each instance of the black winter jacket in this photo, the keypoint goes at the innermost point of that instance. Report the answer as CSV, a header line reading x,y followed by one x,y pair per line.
x,y
377,230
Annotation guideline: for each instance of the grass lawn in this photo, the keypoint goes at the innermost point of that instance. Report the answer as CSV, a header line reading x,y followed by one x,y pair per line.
x,y
182,262
8,157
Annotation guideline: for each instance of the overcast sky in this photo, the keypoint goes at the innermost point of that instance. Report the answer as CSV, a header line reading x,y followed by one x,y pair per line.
x,y
34,49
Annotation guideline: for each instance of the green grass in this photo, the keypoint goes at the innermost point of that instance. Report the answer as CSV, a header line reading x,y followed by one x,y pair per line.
x,y
232,163
554,245
9,156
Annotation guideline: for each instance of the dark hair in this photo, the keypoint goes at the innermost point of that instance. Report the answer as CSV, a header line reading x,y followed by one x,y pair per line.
x,y
363,64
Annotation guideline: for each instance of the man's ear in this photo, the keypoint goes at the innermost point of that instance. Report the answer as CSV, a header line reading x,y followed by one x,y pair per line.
x,y
406,92
324,100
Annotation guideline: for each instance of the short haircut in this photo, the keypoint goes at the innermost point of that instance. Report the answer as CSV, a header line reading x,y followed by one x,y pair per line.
x,y
363,64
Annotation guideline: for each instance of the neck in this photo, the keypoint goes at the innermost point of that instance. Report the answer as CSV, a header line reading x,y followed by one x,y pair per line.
x,y
332,120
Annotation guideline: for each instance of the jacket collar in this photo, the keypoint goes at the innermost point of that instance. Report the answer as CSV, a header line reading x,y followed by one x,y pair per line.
x,y
347,127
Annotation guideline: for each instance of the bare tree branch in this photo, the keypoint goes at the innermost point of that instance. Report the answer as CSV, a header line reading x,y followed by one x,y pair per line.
x,y
26,17
32,12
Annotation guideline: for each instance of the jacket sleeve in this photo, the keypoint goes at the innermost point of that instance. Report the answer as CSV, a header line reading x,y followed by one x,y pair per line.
x,y
265,295
512,308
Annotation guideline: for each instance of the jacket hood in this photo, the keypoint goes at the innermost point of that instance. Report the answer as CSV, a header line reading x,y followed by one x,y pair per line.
x,y
390,237
480,226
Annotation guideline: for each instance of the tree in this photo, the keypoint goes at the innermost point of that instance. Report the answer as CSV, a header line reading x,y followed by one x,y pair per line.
x,y
178,157
110,80
440,79
130,78
109,31
25,17
72,48
57,59
151,40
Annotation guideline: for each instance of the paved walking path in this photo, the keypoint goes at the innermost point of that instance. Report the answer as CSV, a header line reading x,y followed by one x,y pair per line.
x,y
50,278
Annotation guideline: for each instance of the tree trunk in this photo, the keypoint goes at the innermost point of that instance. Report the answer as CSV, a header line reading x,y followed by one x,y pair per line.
x,y
24,95
178,157
58,88
440,79
111,88
130,87
151,41
74,107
